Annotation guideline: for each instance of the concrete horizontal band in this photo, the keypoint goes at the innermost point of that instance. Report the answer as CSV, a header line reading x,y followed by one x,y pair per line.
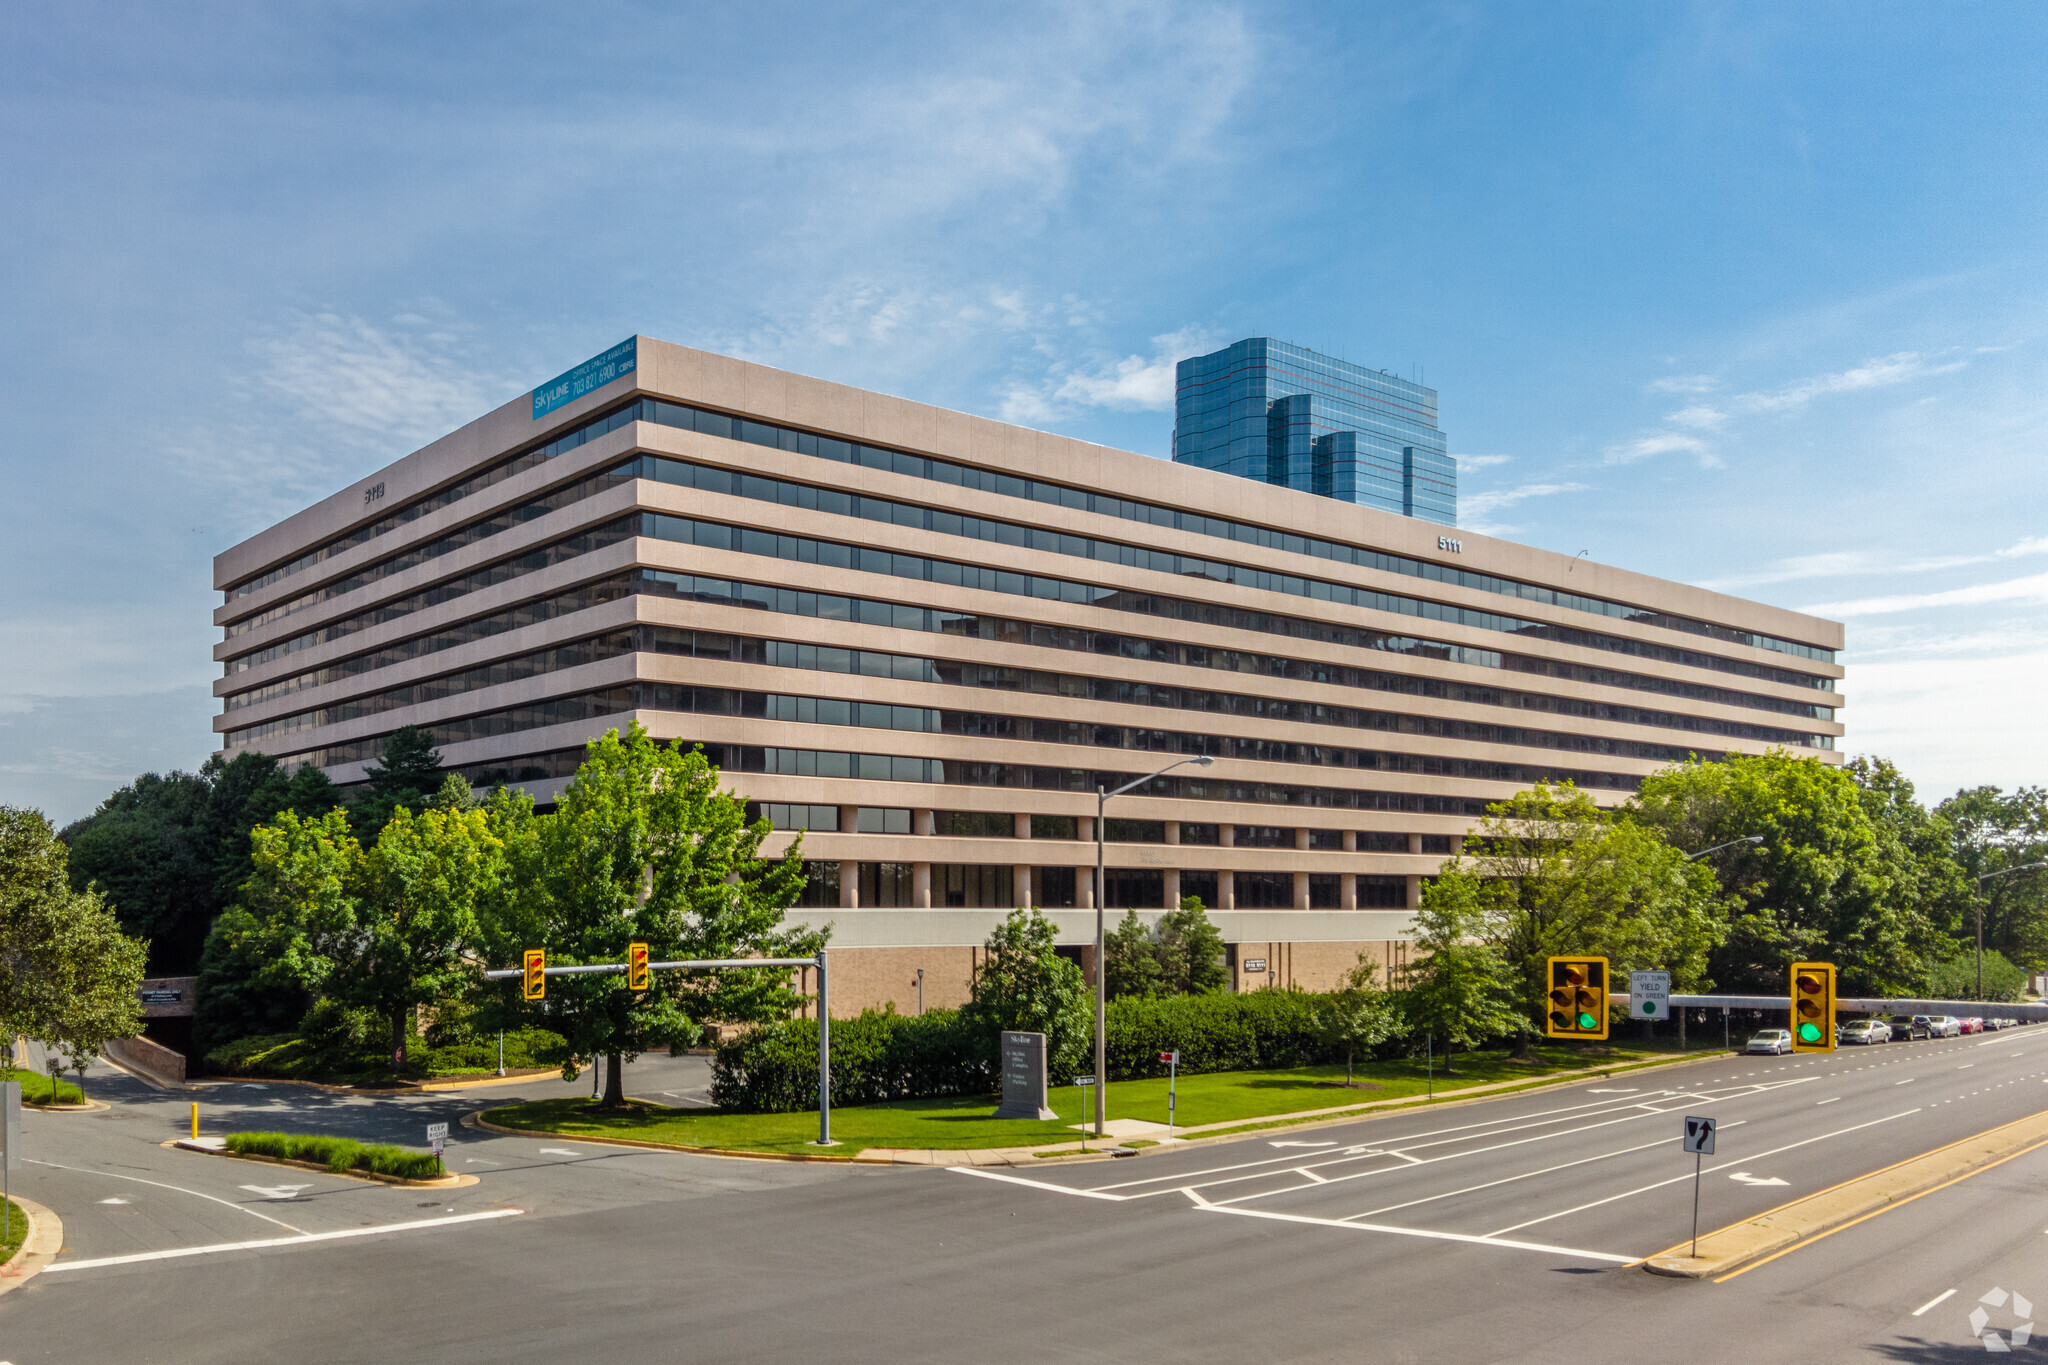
x,y
918,928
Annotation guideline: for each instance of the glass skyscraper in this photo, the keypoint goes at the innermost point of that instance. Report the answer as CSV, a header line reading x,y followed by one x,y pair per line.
x,y
1284,414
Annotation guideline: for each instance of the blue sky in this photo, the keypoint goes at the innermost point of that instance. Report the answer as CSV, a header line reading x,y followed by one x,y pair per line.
x,y
1748,295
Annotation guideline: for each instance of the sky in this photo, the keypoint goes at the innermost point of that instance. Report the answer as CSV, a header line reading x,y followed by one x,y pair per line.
x,y
1747,295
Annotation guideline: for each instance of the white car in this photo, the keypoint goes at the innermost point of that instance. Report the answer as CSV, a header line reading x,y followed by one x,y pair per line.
x,y
1771,1041
1944,1026
1865,1031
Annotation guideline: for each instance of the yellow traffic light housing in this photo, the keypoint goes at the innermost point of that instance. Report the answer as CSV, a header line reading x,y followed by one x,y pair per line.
x,y
637,975
536,973
1575,1006
1813,1007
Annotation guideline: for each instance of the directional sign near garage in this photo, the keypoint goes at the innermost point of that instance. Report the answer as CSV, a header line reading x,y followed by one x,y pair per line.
x,y
1699,1136
1649,995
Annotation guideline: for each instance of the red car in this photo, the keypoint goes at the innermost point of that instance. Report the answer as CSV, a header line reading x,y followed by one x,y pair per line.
x,y
1973,1024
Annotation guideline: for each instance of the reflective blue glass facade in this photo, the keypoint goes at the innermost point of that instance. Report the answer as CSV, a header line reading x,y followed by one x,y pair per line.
x,y
1265,410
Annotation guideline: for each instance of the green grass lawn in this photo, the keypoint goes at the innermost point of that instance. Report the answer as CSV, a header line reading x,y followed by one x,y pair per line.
x,y
13,1228
35,1089
1224,1097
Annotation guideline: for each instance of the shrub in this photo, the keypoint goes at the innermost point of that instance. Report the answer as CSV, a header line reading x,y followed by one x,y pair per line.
x,y
339,1155
1956,979
293,1057
774,1069
877,1056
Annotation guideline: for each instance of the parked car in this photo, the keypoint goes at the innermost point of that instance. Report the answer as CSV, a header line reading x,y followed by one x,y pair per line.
x,y
1864,1031
1972,1023
1992,1025
1906,1027
1944,1026
1770,1041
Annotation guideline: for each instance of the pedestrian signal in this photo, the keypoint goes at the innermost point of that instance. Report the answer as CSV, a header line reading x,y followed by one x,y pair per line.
x,y
536,973
636,967
1576,1005
1813,1007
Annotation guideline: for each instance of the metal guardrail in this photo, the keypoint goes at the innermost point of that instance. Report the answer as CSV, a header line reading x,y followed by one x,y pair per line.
x,y
2004,1009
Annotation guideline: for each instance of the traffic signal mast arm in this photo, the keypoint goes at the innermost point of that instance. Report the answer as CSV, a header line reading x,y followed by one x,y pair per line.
x,y
598,968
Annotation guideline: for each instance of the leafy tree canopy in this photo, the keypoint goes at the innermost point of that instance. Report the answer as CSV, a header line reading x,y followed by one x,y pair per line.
x,y
1024,985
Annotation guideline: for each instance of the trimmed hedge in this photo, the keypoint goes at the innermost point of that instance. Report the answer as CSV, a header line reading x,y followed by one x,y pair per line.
x,y
291,1056
339,1155
774,1069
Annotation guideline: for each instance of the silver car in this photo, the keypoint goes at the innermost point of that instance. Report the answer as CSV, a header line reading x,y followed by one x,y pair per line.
x,y
1865,1031
1770,1041
1944,1026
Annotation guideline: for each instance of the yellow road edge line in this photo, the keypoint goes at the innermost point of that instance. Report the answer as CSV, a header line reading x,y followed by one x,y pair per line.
x,y
1896,1203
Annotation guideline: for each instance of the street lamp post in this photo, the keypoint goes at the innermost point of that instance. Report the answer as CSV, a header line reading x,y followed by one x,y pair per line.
x,y
1745,839
1102,976
2023,867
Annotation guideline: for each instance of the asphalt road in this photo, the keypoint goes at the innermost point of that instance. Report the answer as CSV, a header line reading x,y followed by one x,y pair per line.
x,y
1492,1230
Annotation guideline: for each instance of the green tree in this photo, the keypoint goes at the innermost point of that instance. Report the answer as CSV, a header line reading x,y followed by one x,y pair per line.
x,y
1459,987
1956,978
68,975
645,846
170,850
1130,963
407,774
1354,1021
1989,835
1556,874
385,929
1190,951
233,998
1025,986
1836,878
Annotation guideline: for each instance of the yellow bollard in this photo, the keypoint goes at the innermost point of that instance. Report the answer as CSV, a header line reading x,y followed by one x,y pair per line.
x,y
195,1119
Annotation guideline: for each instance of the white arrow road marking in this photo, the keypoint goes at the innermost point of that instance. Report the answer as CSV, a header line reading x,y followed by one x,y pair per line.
x,y
558,1151
113,1201
276,1191
177,1253
1746,1178
138,1180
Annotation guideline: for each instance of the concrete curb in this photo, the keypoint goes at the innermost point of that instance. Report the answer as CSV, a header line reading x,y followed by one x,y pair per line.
x,y
45,1239
91,1106
478,1121
451,1181
398,1088
1780,1229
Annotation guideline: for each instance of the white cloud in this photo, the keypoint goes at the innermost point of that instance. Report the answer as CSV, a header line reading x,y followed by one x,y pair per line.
x,y
1685,383
1897,368
1133,383
1475,510
2032,545
2032,588
1699,416
1662,443
1949,722
1469,462
1850,563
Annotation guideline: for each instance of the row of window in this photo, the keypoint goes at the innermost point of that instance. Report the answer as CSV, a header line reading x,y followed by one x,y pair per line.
x,y
979,824
892,885
803,549
791,654
968,476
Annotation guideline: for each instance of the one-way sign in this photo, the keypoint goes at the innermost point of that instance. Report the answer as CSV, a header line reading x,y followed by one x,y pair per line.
x,y
1699,1136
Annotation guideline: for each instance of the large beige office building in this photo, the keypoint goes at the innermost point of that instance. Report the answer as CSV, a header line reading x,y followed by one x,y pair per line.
x,y
924,639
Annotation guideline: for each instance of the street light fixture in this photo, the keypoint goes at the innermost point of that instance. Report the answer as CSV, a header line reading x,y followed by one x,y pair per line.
x,y
1101,976
1745,839
2023,867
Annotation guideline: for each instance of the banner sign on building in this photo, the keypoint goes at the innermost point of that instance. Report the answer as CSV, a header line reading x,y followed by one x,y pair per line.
x,y
592,374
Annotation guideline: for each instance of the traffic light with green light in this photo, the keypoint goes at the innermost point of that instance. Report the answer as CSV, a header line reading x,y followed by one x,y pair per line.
x,y
1813,1007
1576,1004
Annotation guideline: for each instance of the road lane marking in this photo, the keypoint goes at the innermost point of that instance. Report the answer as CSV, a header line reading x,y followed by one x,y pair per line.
x,y
1526,1175
1908,1081
87,1170
1644,1189
1076,1191
1204,1206
1942,1297
178,1253
1818,1103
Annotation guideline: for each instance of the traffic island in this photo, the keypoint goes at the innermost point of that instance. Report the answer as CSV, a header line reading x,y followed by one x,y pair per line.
x,y
1742,1246
44,1238
332,1156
